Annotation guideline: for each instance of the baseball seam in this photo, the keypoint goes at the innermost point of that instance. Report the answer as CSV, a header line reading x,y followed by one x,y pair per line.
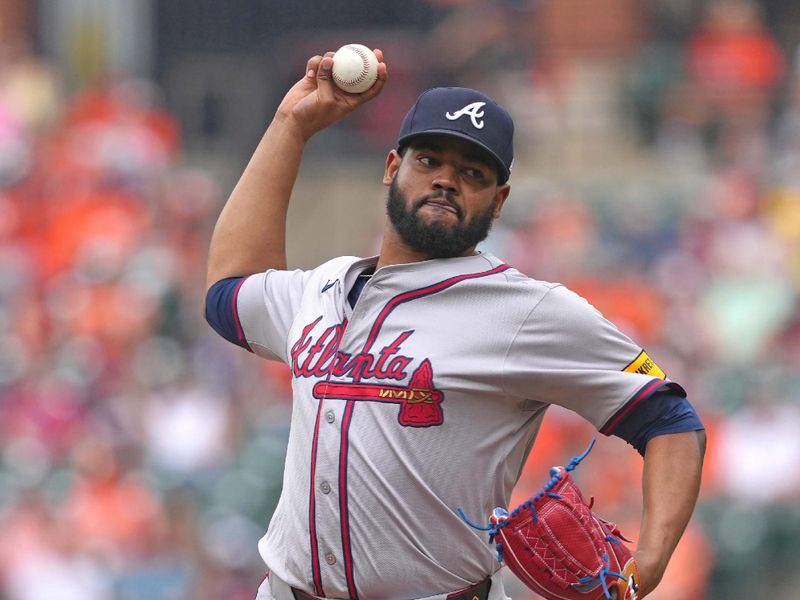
x,y
363,75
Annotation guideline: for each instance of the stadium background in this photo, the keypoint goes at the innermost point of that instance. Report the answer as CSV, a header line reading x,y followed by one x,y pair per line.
x,y
658,174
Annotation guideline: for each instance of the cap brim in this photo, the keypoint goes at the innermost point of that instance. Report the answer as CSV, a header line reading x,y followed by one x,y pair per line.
x,y
502,169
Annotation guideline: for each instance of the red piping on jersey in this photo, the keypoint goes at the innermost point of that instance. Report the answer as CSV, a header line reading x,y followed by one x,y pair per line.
x,y
347,418
426,291
348,414
643,394
239,331
312,523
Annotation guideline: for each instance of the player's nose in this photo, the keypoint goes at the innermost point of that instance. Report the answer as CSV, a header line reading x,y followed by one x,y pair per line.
x,y
446,178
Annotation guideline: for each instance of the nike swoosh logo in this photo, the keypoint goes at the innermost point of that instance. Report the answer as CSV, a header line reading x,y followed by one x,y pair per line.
x,y
328,286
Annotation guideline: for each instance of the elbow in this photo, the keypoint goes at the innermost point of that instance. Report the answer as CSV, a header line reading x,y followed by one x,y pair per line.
x,y
204,305
206,300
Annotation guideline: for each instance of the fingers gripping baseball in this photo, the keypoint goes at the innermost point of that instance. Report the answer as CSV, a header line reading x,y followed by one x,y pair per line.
x,y
383,73
316,107
330,92
311,68
315,102
325,85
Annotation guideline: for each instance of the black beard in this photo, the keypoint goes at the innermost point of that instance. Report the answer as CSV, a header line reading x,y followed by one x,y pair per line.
x,y
435,239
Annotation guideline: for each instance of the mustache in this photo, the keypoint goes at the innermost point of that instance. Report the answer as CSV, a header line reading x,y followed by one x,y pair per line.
x,y
443,195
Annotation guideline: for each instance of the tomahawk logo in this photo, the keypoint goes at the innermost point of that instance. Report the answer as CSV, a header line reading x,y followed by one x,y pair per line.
x,y
420,402
474,111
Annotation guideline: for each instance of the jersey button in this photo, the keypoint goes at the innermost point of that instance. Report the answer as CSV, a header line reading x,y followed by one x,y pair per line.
x,y
330,417
325,487
330,559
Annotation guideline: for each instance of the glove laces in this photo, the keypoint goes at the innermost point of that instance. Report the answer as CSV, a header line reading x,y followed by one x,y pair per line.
x,y
530,503
605,571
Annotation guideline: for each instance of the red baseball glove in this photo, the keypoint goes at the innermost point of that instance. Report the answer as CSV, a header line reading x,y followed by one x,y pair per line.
x,y
559,548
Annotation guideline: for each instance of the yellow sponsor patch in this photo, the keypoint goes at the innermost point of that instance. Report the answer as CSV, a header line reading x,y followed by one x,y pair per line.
x,y
644,365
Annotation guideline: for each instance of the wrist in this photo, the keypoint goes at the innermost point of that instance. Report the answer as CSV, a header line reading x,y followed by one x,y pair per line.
x,y
287,123
651,569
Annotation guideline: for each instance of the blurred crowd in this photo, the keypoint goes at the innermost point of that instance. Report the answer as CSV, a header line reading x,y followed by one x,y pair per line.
x,y
132,446
141,456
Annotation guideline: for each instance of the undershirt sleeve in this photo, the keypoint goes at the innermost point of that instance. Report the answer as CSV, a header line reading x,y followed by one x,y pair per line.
x,y
257,311
222,313
662,413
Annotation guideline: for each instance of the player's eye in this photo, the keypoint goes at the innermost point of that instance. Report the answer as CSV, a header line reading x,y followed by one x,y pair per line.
x,y
474,173
428,161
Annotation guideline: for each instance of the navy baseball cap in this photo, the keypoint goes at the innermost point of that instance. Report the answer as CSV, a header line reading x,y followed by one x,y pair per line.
x,y
467,114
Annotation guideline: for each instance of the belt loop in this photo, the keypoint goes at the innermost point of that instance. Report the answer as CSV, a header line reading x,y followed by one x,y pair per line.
x,y
301,595
479,591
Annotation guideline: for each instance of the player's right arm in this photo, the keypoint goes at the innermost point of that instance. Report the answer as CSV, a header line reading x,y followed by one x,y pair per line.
x,y
250,234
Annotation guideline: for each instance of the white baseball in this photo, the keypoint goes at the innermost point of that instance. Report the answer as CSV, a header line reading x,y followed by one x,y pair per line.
x,y
355,68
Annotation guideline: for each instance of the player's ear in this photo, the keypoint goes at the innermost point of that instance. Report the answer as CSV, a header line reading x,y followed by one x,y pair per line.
x,y
500,198
393,161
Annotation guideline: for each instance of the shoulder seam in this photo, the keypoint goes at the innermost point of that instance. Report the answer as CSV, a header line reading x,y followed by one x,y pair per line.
x,y
516,335
341,264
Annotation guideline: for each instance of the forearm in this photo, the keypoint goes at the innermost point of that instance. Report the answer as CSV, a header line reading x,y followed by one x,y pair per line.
x,y
250,234
671,483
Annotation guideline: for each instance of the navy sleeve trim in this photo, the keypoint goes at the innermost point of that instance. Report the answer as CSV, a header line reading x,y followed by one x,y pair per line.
x,y
222,312
643,394
665,412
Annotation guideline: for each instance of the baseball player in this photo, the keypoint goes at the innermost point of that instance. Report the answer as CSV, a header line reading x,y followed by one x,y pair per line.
x,y
421,376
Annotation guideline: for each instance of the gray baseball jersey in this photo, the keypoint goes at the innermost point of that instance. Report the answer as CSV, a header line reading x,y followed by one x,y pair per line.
x,y
426,396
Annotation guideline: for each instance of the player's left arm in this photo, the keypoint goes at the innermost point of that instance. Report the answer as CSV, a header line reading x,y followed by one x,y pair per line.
x,y
667,431
551,361
671,482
